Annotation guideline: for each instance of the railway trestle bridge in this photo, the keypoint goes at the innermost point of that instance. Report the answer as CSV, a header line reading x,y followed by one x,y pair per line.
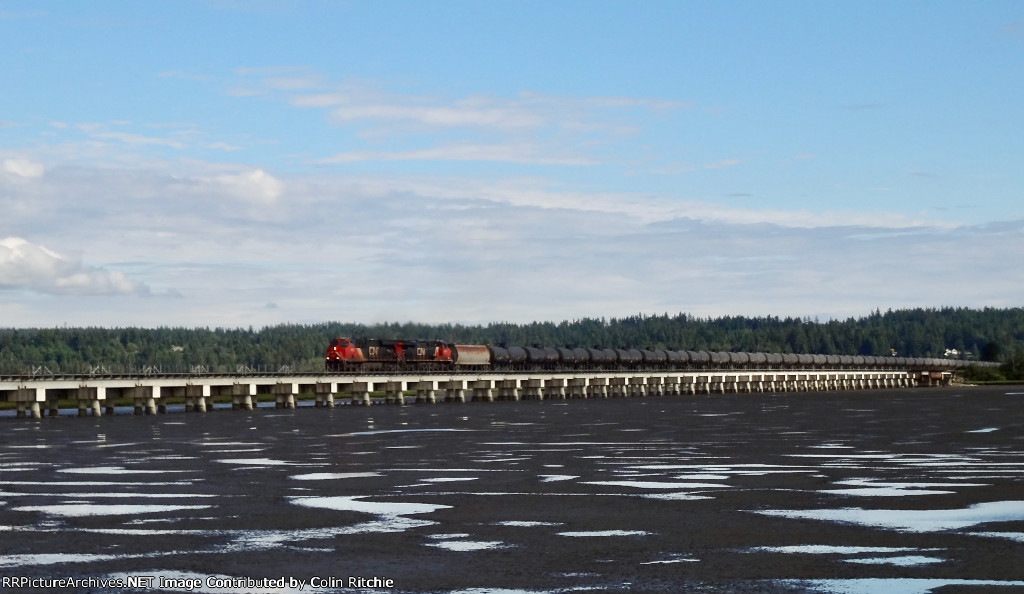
x,y
33,395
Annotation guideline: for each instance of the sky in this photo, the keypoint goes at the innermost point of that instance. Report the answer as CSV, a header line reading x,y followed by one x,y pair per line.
x,y
224,163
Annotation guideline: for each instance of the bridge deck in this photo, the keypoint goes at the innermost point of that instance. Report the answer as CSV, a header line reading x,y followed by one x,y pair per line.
x,y
149,393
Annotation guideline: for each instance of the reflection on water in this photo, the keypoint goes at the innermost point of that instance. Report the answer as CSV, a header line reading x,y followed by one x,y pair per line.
x,y
834,549
913,520
348,503
586,533
56,558
91,509
904,561
323,476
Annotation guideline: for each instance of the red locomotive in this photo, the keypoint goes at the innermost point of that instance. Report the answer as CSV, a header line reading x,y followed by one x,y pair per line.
x,y
345,354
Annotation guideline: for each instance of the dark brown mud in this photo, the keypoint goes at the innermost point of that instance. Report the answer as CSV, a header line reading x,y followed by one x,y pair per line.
x,y
733,493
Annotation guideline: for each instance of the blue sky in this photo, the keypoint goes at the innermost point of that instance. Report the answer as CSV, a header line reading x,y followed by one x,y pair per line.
x,y
228,163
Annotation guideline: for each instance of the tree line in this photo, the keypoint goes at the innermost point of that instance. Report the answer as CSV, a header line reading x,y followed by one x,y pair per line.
x,y
990,334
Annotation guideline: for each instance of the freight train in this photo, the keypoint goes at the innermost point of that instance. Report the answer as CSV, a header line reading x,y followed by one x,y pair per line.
x,y
346,355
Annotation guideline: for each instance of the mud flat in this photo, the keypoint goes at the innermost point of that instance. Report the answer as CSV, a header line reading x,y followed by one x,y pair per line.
x,y
914,490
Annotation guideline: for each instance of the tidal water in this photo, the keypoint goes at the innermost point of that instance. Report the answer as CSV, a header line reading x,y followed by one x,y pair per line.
x,y
901,491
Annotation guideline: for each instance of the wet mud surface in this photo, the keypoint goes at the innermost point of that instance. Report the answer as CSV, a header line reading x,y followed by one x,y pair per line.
x,y
913,490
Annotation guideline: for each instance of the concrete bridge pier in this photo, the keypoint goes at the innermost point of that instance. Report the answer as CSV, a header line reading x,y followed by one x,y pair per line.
x,y
508,389
89,399
655,386
425,392
554,389
533,389
598,387
27,402
617,387
578,387
360,392
196,397
244,395
324,394
454,391
142,396
637,387
284,395
482,391
394,393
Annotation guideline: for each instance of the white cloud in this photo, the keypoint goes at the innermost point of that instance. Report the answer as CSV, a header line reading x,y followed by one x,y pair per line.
x,y
256,185
130,138
228,240
461,114
25,265
526,111
23,168
517,153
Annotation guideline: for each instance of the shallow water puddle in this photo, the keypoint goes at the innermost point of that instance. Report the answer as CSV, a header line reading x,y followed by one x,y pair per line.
x,y
456,542
258,462
671,560
94,483
449,479
657,484
587,533
526,523
871,488
883,492
390,431
551,478
1017,536
322,476
55,558
89,509
904,561
116,470
680,496
355,503
834,550
912,520
108,494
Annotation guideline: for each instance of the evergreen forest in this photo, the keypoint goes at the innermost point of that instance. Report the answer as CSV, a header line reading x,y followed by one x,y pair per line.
x,y
988,334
